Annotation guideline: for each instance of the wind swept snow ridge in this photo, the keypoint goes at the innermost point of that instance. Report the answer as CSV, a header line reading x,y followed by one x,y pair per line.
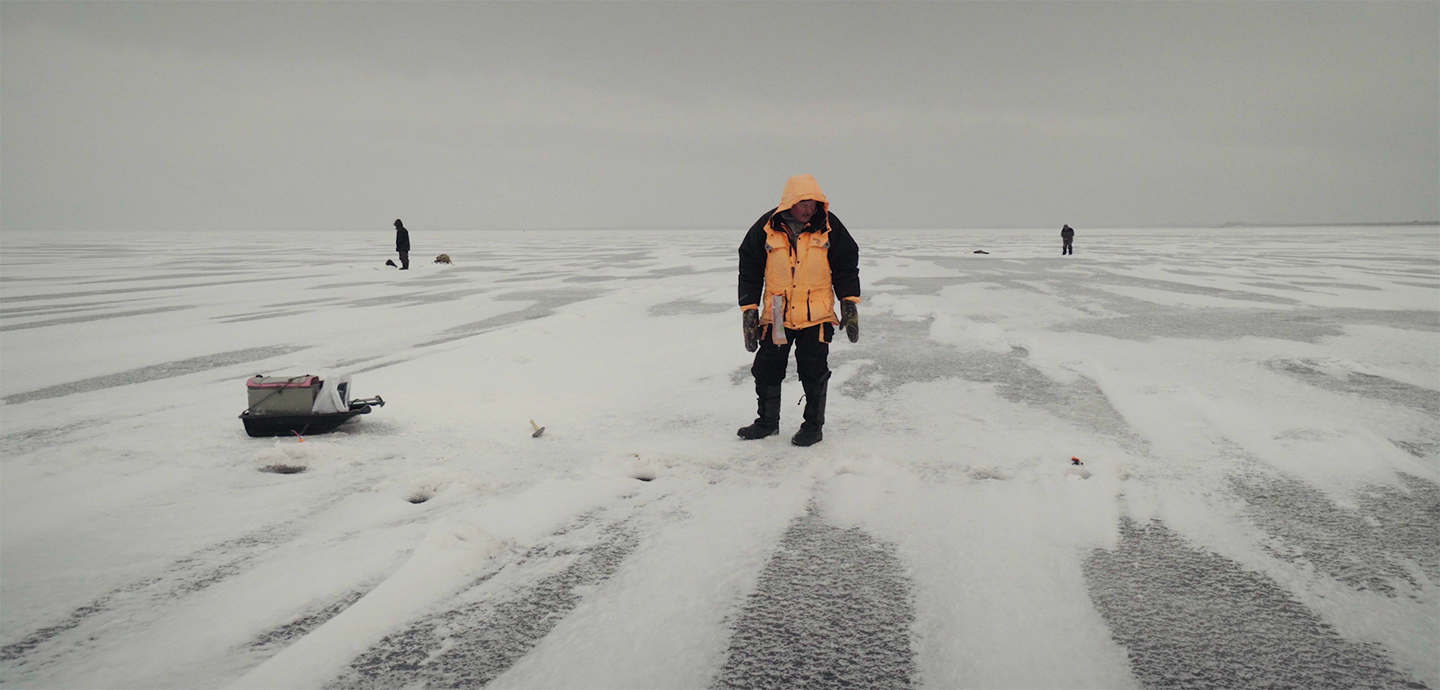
x,y
472,642
450,555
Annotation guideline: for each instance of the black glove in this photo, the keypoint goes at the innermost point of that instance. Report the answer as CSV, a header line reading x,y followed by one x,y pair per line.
x,y
850,320
750,324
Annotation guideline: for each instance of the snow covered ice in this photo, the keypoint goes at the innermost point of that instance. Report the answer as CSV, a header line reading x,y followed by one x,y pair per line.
x,y
1257,410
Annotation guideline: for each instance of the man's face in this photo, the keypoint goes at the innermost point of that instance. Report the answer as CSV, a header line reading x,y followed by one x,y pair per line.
x,y
804,210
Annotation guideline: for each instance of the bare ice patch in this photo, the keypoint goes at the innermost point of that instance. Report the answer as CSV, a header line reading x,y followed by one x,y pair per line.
x,y
157,371
832,608
1190,618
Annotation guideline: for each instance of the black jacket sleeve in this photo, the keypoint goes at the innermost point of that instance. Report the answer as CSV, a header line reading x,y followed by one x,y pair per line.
x,y
752,262
844,260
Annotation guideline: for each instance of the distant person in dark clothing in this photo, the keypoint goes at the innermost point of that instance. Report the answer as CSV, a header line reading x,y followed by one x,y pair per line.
x,y
402,244
1067,235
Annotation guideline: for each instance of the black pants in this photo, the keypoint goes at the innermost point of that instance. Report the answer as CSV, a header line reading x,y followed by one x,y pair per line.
x,y
405,259
812,355
1066,249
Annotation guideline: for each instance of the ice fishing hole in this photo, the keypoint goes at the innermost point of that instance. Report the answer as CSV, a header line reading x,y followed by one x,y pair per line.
x,y
283,469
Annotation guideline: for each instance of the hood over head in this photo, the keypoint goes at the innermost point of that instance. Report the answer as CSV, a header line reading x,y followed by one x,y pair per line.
x,y
801,188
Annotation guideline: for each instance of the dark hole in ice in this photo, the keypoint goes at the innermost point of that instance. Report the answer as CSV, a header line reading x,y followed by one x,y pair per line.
x,y
283,469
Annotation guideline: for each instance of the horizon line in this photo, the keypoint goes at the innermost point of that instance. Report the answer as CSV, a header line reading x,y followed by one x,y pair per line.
x,y
690,228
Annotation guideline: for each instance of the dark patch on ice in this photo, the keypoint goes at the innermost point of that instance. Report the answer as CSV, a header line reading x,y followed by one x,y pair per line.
x,y
342,364
472,644
742,375
156,372
546,302
24,441
17,650
340,286
556,296
1419,449
928,286
302,302
1366,385
1385,540
1192,619
832,609
1276,286
414,298
1013,272
653,274
1184,272
284,469
122,291
591,279
1159,321
689,307
438,279
526,277
672,272
898,352
281,636
47,309
165,276
622,259
1341,286
380,365
92,317
535,311
261,317
1403,319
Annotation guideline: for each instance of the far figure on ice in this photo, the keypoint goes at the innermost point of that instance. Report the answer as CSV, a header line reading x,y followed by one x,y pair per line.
x,y
1067,236
794,262
402,244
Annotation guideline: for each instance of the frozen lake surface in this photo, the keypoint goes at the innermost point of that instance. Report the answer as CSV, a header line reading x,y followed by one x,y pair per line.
x,y
1257,410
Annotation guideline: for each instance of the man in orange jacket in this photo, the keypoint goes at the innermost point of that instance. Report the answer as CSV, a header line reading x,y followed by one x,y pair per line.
x,y
794,263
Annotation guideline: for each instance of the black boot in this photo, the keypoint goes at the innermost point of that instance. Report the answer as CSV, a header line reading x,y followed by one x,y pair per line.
x,y
768,409
809,433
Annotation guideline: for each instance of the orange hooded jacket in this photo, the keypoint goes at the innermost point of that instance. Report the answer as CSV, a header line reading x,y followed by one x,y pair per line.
x,y
822,263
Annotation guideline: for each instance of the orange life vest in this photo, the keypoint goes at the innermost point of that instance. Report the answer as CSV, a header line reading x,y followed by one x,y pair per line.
x,y
800,275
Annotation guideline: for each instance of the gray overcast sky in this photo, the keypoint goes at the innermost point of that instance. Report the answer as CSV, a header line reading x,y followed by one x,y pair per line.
x,y
250,115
